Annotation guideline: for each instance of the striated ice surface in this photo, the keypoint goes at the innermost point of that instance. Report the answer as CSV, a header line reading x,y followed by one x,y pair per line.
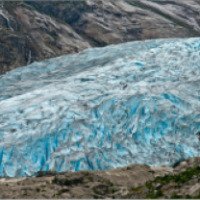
x,y
104,108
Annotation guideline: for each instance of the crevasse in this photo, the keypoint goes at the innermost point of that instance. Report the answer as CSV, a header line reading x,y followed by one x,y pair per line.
x,y
103,108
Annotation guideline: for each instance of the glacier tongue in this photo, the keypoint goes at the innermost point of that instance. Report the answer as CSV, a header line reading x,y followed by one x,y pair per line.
x,y
137,102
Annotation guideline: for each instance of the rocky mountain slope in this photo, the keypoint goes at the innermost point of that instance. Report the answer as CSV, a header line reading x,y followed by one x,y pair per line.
x,y
137,181
35,30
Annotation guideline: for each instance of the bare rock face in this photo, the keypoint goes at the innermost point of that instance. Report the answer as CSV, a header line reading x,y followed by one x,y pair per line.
x,y
35,30
27,35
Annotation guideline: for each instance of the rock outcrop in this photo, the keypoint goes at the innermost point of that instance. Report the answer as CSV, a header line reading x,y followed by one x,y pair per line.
x,y
136,181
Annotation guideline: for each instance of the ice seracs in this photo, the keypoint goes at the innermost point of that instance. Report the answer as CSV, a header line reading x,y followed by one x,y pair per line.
x,y
136,102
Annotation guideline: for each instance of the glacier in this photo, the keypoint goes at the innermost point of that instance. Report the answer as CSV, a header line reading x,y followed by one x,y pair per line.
x,y
103,108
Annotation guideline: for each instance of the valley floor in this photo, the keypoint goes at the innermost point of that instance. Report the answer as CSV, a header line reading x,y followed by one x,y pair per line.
x,y
136,181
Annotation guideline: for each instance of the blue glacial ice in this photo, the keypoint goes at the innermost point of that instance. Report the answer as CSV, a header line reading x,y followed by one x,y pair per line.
x,y
103,108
